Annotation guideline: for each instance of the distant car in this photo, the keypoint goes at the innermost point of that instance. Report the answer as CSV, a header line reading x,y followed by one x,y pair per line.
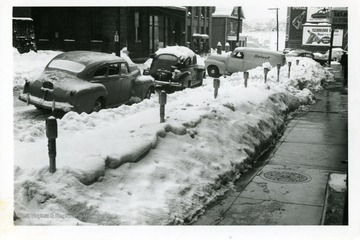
x,y
300,53
336,54
287,50
241,59
308,54
322,13
175,66
85,81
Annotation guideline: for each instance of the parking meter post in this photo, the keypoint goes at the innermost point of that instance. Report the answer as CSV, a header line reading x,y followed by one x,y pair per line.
x,y
216,85
278,71
51,134
162,102
266,70
246,77
289,64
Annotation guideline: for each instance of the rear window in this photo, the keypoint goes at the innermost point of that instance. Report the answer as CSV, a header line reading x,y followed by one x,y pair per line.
x,y
168,57
67,65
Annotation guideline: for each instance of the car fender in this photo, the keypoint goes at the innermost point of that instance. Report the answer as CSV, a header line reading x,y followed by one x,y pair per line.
x,y
85,98
218,61
141,84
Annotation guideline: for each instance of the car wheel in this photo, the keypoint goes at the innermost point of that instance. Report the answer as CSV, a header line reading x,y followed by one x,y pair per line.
x,y
98,105
189,84
148,94
213,71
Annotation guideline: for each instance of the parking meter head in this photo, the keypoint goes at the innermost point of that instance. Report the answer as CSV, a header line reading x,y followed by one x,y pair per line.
x,y
216,83
162,98
51,128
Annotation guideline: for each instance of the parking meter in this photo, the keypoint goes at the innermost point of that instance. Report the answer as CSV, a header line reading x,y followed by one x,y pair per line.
x,y
162,102
278,71
246,77
51,134
216,85
289,64
266,70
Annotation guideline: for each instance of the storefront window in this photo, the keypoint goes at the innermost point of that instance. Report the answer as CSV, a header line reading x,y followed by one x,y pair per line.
x,y
96,24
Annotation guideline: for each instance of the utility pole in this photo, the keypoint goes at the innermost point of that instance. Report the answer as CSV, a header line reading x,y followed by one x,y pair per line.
x,y
277,27
238,26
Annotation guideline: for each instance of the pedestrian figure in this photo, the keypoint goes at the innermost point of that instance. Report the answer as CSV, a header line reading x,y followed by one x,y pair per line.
x,y
344,64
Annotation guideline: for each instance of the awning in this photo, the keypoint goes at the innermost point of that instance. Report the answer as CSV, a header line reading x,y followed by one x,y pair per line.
x,y
203,36
233,38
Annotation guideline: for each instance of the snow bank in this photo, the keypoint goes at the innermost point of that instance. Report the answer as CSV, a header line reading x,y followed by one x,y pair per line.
x,y
337,182
122,166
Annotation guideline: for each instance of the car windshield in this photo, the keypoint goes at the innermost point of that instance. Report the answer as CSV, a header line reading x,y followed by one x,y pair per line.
x,y
67,65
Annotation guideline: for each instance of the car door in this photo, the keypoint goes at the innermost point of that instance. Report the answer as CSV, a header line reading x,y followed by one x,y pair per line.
x,y
236,62
126,82
108,75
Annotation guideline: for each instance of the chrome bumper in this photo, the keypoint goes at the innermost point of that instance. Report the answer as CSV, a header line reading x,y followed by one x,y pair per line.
x,y
52,105
172,84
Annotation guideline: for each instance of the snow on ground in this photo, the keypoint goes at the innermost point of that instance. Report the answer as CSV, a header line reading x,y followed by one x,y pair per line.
x,y
122,166
337,182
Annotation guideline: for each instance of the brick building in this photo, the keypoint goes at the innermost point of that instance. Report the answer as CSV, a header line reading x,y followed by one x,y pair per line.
x,y
107,29
225,24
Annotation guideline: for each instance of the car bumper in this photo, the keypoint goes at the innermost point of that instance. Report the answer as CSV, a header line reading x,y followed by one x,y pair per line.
x,y
53,105
172,84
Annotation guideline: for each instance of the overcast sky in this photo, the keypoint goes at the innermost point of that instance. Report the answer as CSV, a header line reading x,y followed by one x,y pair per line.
x,y
259,13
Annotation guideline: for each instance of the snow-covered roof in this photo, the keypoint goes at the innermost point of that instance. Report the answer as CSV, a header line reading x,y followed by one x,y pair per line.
x,y
227,12
179,51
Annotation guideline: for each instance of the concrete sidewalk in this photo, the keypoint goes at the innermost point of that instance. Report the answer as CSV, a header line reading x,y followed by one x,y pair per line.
x,y
289,187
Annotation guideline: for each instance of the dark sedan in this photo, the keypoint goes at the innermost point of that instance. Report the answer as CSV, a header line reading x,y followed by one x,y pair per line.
x,y
85,81
176,66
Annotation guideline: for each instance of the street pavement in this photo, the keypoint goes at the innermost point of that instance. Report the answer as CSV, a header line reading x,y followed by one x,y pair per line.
x,y
289,187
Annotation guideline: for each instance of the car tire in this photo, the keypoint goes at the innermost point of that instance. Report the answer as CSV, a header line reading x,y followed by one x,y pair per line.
x,y
213,71
147,94
98,105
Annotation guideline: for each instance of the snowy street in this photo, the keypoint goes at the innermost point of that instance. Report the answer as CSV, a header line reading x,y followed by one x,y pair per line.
x,y
122,166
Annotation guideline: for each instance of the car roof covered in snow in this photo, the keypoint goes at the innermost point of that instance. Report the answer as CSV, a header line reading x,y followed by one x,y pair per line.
x,y
88,57
258,50
179,51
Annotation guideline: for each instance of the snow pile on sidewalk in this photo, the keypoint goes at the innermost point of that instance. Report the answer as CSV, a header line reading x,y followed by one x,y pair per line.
x,y
121,166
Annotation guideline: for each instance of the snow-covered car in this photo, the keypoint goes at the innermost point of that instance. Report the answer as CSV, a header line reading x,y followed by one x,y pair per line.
x,y
322,13
175,66
300,53
241,59
336,53
85,81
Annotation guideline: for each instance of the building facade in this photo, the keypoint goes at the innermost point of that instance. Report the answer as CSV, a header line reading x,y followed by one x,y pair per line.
x,y
198,28
108,29
225,25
